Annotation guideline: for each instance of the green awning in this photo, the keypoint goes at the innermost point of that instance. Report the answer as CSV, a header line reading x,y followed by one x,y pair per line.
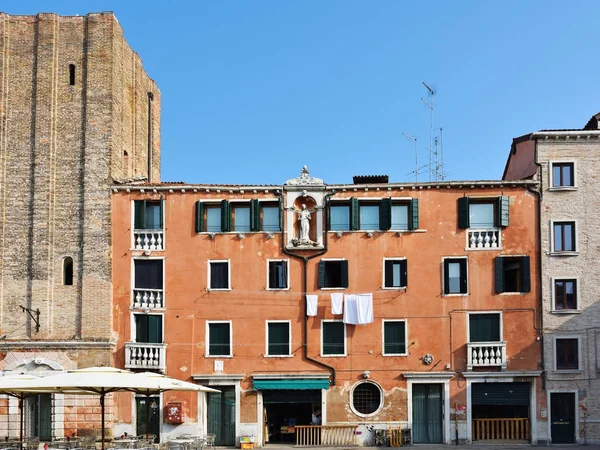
x,y
299,383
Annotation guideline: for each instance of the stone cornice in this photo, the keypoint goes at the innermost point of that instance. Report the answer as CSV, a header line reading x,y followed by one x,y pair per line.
x,y
505,374
576,135
59,345
289,376
428,375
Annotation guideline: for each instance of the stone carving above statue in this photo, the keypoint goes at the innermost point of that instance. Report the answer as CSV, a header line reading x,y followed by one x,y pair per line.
x,y
304,179
304,217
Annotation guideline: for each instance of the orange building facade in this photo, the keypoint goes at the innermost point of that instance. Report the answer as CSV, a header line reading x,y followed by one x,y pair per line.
x,y
368,305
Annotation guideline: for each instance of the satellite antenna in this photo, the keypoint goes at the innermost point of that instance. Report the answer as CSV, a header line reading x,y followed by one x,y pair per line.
x,y
414,139
431,107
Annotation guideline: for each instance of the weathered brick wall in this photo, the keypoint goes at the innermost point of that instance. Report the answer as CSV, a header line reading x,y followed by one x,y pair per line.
x,y
583,206
61,146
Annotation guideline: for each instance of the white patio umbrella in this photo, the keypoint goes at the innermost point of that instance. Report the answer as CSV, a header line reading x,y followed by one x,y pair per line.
x,y
105,380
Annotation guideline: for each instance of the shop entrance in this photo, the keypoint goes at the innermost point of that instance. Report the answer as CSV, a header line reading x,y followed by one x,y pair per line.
x,y
500,411
38,419
284,409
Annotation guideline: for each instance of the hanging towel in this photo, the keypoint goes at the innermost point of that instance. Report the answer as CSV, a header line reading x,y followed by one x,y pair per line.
x,y
365,308
337,302
311,305
350,309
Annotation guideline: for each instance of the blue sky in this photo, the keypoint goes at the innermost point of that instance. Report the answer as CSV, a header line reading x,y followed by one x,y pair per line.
x,y
253,90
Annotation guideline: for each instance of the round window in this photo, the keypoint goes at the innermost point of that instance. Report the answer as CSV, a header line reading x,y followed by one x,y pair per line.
x,y
366,398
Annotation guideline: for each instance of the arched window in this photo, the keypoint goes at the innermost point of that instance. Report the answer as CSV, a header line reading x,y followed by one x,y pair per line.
x,y
68,271
72,74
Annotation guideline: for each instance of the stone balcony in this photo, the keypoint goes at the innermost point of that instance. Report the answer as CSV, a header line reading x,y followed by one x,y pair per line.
x,y
148,299
148,240
486,354
484,239
139,355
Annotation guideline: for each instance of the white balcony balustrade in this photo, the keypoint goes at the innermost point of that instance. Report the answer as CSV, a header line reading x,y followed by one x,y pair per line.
x,y
149,240
484,239
486,354
139,355
148,298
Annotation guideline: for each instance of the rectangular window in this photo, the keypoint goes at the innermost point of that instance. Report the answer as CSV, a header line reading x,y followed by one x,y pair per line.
x,y
484,328
564,236
148,273
219,339
147,215
269,217
394,337
340,217
512,274
395,273
562,175
565,294
333,274
455,276
218,274
278,274
567,353
369,216
400,217
482,215
278,338
240,217
213,218
148,328
334,338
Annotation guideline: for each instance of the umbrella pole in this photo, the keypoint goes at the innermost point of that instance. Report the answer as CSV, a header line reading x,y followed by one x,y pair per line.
x,y
102,394
147,415
22,425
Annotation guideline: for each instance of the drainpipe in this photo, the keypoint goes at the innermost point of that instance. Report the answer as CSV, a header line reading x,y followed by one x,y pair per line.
x,y
538,193
305,260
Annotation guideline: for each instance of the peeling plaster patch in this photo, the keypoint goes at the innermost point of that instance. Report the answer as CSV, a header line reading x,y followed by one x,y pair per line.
x,y
183,368
260,253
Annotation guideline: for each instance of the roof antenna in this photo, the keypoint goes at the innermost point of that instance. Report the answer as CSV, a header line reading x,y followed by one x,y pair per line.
x,y
414,139
431,107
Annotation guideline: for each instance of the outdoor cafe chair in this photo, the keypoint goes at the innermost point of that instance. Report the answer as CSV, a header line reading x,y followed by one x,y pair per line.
x,y
210,440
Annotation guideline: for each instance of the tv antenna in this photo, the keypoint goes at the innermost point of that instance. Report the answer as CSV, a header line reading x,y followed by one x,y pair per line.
x,y
414,139
431,108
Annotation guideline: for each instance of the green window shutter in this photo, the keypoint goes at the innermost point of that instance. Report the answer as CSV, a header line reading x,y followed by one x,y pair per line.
x,y
385,214
394,338
155,329
254,215
526,270
464,281
484,328
344,267
161,212
328,215
404,272
414,214
463,212
225,216
502,217
141,328
219,342
354,214
139,212
321,274
446,286
499,274
333,338
199,217
280,212
279,339
389,273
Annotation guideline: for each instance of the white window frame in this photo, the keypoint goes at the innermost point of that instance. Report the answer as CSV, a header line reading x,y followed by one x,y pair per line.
x,y
521,270
579,359
551,186
207,339
575,252
239,201
577,296
444,277
287,261
501,318
132,280
289,354
133,328
383,322
210,203
381,398
399,288
209,262
275,201
163,204
323,355
335,288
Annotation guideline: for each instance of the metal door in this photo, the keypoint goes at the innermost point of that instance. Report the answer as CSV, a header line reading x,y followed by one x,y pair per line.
x,y
38,416
221,415
141,407
427,413
562,416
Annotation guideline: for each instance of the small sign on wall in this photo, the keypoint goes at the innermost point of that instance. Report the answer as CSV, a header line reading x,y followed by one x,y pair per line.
x,y
218,367
174,413
461,410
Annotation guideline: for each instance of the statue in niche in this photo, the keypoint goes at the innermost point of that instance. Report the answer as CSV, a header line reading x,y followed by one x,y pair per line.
x,y
304,217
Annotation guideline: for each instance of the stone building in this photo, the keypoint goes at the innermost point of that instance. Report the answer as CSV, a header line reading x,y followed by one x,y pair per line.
x,y
238,287
77,114
566,163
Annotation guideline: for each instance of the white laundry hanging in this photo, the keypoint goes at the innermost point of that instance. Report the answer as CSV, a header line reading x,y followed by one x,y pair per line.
x,y
350,309
312,305
364,304
337,303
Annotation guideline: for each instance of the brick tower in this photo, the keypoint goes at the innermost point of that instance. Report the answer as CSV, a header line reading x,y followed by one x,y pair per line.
x,y
77,113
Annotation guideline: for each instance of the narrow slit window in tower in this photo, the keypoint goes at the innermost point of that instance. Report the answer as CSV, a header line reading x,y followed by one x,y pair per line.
x,y
68,271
